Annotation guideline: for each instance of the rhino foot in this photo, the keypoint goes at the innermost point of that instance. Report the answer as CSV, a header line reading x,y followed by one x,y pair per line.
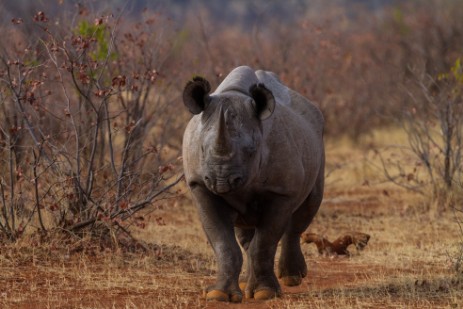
x,y
261,293
266,294
292,268
291,280
219,295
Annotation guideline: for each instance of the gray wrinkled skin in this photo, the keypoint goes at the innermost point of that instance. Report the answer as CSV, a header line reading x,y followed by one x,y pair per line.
x,y
254,160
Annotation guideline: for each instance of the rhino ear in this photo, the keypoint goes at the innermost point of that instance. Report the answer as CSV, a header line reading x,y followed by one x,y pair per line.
x,y
196,94
264,99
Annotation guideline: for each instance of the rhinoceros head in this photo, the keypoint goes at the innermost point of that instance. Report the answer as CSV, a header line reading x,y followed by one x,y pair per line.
x,y
230,132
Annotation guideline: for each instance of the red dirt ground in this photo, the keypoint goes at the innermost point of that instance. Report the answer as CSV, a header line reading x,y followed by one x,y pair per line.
x,y
387,274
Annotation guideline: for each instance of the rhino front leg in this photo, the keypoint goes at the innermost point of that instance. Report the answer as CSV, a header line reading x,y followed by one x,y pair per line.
x,y
217,220
262,283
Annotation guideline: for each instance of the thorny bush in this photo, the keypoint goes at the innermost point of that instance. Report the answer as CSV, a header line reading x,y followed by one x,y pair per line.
x,y
81,109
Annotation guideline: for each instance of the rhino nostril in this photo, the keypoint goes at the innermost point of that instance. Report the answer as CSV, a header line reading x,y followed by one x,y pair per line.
x,y
207,179
235,180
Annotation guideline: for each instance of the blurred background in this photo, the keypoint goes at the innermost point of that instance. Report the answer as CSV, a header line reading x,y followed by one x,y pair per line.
x,y
352,57
93,89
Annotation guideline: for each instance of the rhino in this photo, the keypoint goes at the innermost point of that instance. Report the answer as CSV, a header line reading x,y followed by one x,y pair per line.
x,y
254,159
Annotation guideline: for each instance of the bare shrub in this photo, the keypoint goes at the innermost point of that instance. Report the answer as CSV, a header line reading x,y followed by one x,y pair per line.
x,y
83,126
432,120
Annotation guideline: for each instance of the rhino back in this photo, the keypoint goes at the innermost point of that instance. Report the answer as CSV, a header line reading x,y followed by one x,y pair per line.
x,y
273,83
240,79
292,99
308,111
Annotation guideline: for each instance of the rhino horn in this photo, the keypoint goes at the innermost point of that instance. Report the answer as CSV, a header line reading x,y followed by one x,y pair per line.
x,y
222,142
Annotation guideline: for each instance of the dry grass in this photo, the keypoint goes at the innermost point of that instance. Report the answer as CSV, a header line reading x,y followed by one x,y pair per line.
x,y
407,262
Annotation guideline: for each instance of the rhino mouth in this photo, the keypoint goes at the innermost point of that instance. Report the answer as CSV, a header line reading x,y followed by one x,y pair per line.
x,y
224,185
222,188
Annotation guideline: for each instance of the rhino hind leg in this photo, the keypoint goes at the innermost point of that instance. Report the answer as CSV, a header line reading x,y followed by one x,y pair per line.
x,y
292,266
245,237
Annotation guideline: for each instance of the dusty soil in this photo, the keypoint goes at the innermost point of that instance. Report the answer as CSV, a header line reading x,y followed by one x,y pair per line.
x,y
408,261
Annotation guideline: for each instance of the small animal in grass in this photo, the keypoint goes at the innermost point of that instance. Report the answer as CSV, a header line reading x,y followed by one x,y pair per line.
x,y
339,246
